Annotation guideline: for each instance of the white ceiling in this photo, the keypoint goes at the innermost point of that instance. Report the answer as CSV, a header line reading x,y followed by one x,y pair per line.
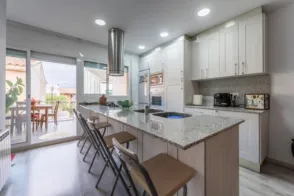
x,y
142,20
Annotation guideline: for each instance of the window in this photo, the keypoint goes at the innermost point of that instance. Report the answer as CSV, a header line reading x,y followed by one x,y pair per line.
x,y
96,80
118,86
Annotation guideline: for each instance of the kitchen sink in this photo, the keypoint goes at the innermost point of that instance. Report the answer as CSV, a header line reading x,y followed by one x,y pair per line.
x,y
150,111
172,115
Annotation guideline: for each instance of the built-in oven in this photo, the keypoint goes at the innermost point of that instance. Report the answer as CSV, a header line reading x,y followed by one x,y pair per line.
x,y
157,97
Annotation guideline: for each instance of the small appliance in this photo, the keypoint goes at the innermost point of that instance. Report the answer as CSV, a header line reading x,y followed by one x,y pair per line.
x,y
197,100
156,79
222,99
257,101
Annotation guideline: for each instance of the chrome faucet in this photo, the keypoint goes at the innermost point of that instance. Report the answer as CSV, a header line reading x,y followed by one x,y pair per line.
x,y
147,108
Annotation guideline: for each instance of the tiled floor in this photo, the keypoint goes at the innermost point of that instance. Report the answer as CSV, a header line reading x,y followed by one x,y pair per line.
x,y
64,128
59,171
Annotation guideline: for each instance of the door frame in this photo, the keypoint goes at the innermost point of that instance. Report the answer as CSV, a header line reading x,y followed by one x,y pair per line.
x,y
28,144
28,98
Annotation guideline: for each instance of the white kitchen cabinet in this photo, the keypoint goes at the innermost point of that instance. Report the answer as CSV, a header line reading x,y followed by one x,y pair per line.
x,y
144,63
174,98
233,49
248,134
253,134
206,56
155,63
173,63
251,42
229,51
213,40
199,59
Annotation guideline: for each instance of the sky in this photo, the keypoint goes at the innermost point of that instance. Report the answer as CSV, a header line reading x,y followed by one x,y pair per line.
x,y
60,74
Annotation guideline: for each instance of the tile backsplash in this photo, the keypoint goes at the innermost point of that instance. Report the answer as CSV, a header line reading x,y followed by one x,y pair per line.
x,y
241,85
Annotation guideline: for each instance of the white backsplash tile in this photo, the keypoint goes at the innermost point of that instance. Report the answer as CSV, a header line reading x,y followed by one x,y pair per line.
x,y
241,85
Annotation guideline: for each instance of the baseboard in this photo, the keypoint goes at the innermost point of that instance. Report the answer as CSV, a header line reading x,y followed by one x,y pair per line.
x,y
280,163
43,144
250,165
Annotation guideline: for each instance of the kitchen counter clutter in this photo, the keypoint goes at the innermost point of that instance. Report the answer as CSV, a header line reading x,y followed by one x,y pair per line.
x,y
183,133
230,109
208,144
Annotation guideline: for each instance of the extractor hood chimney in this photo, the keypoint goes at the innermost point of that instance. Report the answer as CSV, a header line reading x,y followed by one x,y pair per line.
x,y
115,52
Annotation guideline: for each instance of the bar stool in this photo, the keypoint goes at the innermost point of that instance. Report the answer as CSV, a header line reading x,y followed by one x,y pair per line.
x,y
90,138
105,147
85,136
161,175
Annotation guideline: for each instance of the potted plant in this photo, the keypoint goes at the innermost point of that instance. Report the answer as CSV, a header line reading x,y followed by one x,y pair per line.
x,y
13,92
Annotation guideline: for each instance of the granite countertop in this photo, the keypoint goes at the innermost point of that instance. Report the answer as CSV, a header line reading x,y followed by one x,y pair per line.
x,y
2,132
183,133
230,109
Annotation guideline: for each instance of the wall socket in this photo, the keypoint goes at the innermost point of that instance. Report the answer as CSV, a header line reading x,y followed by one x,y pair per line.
x,y
235,94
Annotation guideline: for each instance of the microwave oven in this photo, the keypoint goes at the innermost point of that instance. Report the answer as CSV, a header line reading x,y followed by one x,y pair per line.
x,y
156,79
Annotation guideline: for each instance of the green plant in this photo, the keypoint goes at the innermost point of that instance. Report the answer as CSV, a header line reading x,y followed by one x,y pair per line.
x,y
13,92
64,105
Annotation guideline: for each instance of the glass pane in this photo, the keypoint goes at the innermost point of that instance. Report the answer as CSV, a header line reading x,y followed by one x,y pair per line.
x,y
16,114
118,85
94,78
53,96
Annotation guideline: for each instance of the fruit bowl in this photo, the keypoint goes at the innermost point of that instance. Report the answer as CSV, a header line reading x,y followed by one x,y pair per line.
x,y
125,104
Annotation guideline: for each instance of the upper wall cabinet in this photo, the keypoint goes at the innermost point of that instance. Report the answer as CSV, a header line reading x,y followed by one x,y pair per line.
x,y
156,62
206,56
229,51
234,49
144,63
152,62
251,46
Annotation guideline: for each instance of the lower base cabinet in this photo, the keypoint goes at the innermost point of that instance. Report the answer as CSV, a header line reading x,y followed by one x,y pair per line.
x,y
253,135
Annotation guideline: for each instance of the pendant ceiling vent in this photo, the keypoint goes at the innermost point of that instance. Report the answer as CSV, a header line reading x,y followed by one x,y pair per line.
x,y
115,52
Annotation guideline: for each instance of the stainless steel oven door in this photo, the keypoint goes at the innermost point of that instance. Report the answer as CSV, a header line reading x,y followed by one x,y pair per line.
x,y
157,97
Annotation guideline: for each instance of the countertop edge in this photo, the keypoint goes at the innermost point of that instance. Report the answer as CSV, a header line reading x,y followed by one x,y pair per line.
x,y
229,109
3,131
165,140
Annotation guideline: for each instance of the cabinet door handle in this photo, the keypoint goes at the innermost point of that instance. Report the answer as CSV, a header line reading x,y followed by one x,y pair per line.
x,y
206,73
236,68
243,67
201,73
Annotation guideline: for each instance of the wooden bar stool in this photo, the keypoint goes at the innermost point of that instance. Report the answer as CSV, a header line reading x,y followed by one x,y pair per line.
x,y
161,175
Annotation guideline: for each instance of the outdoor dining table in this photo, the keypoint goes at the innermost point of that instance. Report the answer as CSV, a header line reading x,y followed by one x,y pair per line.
x,y
39,107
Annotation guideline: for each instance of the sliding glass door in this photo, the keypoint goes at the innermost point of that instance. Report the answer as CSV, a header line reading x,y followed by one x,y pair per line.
x,y
17,96
53,95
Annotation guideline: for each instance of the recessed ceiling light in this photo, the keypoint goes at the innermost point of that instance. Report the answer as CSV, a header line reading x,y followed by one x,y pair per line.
x,y
204,12
81,54
100,22
230,24
164,34
157,49
141,47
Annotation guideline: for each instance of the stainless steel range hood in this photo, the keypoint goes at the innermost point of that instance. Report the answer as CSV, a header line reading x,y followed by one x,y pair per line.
x,y
115,52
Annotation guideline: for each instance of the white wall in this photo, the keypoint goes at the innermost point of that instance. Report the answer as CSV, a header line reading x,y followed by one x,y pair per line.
x,y
2,61
20,36
281,62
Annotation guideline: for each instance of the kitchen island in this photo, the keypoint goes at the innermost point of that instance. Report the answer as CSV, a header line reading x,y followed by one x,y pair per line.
x,y
209,144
